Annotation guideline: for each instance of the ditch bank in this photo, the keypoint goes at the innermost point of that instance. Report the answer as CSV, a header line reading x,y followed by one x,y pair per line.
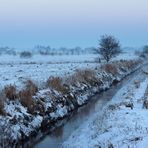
x,y
58,100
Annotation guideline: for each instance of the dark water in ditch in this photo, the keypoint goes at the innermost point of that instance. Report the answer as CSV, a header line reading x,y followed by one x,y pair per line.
x,y
56,137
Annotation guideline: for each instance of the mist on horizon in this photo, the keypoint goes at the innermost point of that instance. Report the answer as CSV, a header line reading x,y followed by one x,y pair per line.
x,y
72,23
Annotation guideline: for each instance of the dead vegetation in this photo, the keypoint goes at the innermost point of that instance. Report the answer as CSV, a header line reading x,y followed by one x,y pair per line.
x,y
10,92
130,64
26,95
110,68
26,100
31,87
82,76
57,84
2,99
86,77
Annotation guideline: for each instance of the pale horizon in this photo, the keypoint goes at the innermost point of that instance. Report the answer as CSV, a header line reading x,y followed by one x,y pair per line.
x,y
66,23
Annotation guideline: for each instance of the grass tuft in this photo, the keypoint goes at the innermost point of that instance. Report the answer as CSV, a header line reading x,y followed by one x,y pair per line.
x,y
10,92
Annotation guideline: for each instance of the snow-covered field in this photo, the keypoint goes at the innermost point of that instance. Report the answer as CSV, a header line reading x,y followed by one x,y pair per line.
x,y
121,124
26,109
16,70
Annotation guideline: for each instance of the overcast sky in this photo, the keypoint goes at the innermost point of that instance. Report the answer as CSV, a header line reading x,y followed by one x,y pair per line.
x,y
25,23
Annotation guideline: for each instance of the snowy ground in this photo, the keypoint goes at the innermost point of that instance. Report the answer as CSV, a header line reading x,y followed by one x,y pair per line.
x,y
15,70
121,124
27,109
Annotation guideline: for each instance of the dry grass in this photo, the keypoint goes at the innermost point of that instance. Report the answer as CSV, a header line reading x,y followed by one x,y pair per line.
x,y
31,87
57,84
1,107
82,76
129,64
2,101
2,112
111,68
26,100
26,95
87,75
10,92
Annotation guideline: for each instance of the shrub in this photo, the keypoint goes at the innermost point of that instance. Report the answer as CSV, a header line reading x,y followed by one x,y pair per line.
x,y
57,84
25,95
25,54
31,87
128,64
10,92
110,68
26,100
85,75
2,98
82,76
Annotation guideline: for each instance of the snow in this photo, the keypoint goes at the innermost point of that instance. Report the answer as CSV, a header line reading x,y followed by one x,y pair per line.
x,y
82,99
60,112
126,56
37,121
51,104
11,59
15,129
122,122
16,70
15,109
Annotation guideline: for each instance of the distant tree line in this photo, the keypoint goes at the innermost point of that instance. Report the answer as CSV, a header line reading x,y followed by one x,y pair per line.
x,y
109,47
47,50
7,50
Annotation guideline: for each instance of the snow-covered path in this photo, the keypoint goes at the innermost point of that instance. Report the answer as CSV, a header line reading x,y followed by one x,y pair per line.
x,y
121,123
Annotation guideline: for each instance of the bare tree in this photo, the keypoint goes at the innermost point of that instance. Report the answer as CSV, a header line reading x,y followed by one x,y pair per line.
x,y
109,47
